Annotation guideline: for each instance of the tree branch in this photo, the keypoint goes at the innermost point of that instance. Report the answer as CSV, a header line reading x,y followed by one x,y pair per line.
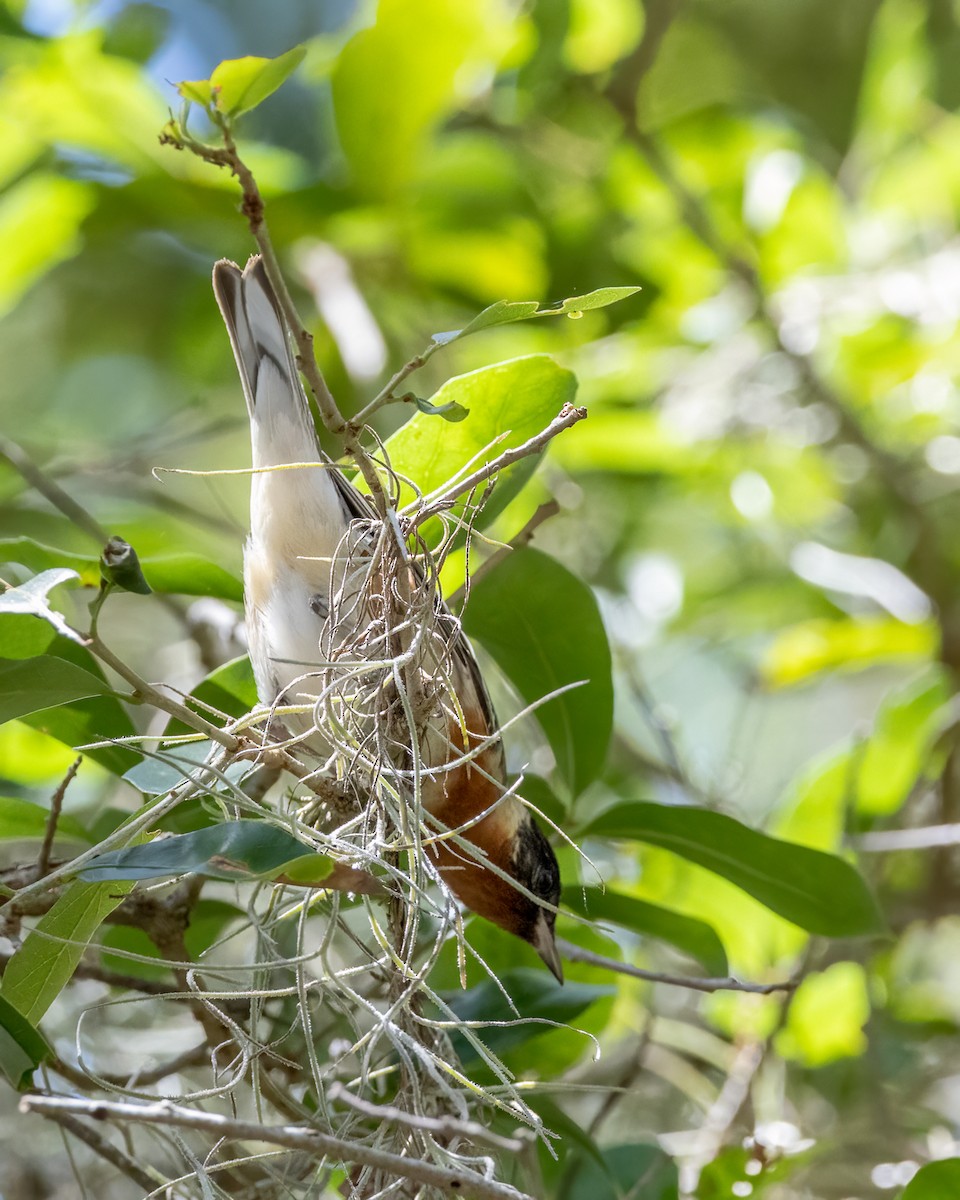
x,y
444,1179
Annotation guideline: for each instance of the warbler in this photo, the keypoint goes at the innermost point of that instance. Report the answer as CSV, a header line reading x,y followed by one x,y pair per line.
x,y
303,523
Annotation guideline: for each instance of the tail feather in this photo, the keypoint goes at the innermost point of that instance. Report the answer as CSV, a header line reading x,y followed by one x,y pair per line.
x,y
281,425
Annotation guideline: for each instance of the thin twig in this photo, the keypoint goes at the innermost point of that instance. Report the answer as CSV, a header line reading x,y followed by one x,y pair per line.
x,y
152,695
388,394
140,1078
107,1151
445,1126
56,804
727,984
449,1181
569,415
546,510
21,462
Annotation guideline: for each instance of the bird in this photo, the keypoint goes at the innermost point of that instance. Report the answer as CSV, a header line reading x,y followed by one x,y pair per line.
x,y
300,520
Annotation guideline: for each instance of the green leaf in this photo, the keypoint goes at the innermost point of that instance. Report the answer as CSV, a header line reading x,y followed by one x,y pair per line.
x,y
240,84
31,597
22,1047
45,963
21,819
197,91
96,719
525,612
641,1170
935,1181
693,937
827,1016
517,399
452,412
597,299
504,312
171,574
233,850
394,81
535,994
819,892
30,684
22,636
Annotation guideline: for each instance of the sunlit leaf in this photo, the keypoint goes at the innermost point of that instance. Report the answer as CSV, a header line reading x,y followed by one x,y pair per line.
x,y
40,220
600,298
22,1047
392,84
197,91
819,892
803,650
693,937
32,597
44,964
827,1016
523,612
504,312
899,747
240,84
513,400
500,313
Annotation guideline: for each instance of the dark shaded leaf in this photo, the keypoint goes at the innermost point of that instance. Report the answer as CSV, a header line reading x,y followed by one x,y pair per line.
x,y
693,937
643,1172
30,684
22,1047
233,850
542,625
21,819
536,995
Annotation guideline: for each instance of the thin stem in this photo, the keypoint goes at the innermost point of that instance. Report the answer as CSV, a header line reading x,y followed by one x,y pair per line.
x,y
728,984
388,394
152,695
56,804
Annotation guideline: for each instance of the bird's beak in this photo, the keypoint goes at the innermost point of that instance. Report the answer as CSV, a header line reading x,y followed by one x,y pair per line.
x,y
545,944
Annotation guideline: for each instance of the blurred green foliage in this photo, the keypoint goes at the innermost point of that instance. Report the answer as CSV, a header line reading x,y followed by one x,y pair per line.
x,y
761,505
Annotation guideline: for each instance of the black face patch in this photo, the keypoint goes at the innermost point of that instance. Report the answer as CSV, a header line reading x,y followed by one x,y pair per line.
x,y
535,866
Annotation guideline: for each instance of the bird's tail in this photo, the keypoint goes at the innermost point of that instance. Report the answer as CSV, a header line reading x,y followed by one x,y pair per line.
x,y
282,429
